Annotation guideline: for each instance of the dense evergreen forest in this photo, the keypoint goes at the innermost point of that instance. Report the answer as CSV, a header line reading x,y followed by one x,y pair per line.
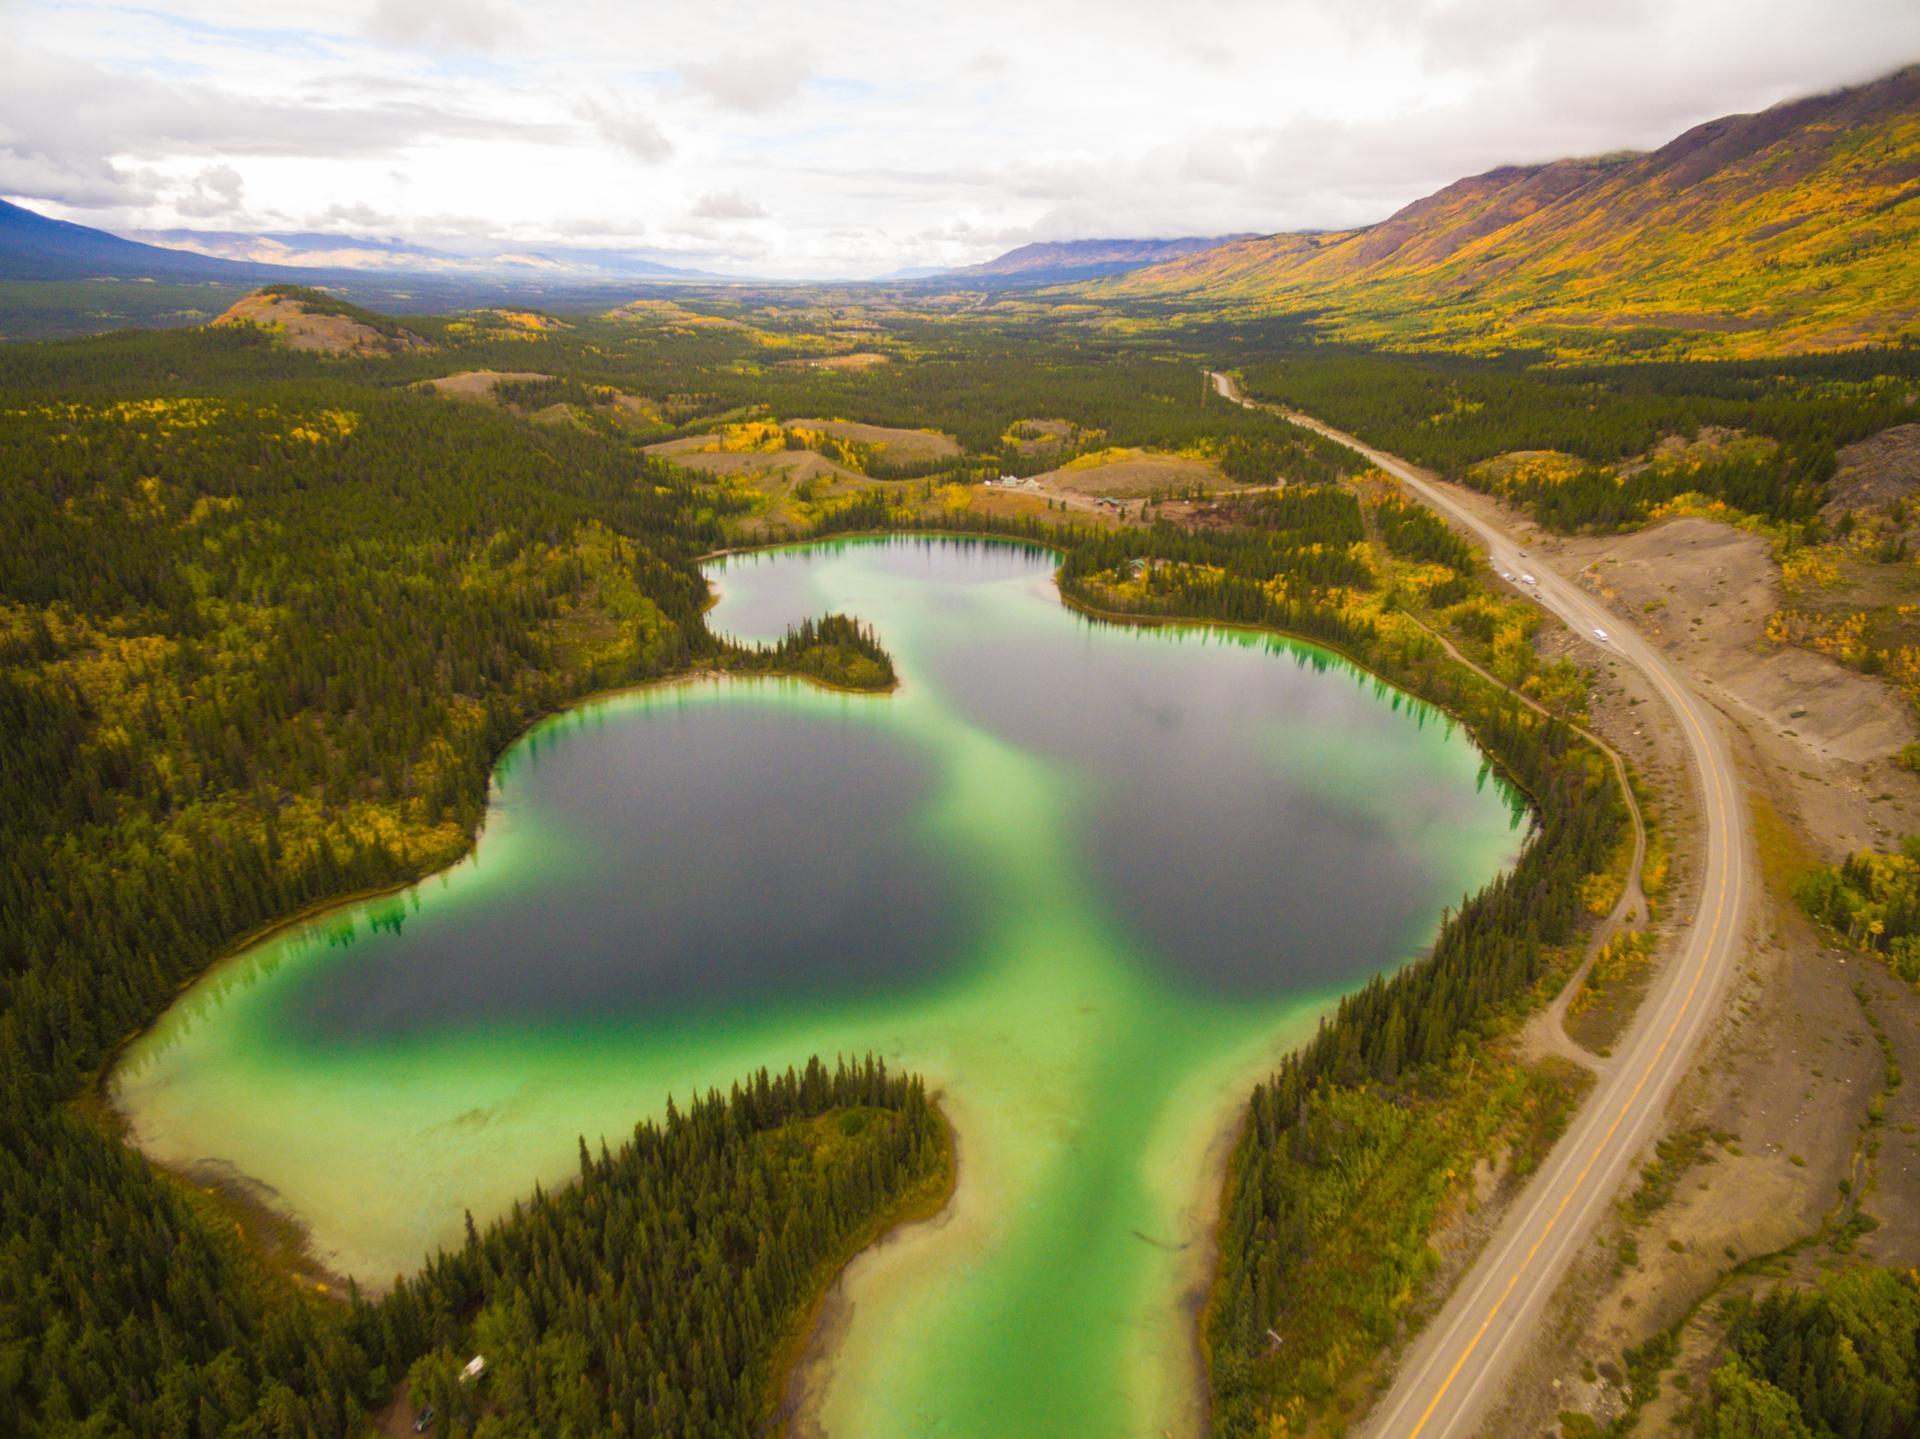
x,y
1840,1361
266,619
833,649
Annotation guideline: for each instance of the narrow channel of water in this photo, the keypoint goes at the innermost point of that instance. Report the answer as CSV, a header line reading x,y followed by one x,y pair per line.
x,y
1090,880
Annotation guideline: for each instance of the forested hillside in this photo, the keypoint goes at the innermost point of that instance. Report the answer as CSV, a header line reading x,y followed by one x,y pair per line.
x,y
1787,231
280,634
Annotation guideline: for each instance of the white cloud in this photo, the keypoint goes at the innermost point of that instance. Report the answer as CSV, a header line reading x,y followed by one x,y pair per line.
x,y
632,132
83,184
442,24
214,194
729,206
91,117
750,83
359,216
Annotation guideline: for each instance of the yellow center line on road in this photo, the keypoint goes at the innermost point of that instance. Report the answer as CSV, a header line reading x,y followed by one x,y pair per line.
x,y
1633,1096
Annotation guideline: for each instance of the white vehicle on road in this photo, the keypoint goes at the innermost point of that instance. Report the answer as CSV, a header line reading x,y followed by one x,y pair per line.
x,y
1528,580
1600,635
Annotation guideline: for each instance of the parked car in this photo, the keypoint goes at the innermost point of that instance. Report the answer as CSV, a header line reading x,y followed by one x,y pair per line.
x,y
425,1422
1528,580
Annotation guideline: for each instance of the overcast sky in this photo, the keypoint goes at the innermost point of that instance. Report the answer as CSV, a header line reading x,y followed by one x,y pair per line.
x,y
848,137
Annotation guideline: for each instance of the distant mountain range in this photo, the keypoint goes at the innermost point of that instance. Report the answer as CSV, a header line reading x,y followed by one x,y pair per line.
x,y
910,272
1794,229
306,249
197,273
1054,262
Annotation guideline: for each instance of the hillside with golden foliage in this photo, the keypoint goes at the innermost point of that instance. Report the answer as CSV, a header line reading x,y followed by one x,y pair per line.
x,y
1791,230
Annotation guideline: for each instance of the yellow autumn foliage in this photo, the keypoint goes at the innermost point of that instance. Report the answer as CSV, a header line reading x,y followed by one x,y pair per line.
x,y
1808,567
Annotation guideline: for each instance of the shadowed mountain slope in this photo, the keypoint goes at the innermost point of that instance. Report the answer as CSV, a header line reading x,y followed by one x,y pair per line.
x,y
35,247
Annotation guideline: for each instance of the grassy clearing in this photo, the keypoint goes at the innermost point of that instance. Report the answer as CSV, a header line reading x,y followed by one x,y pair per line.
x,y
1128,474
1784,856
1608,997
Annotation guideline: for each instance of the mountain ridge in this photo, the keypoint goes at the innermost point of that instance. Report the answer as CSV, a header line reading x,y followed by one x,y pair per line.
x,y
1792,228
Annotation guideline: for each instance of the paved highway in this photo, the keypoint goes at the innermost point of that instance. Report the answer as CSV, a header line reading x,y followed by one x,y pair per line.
x,y
1455,1369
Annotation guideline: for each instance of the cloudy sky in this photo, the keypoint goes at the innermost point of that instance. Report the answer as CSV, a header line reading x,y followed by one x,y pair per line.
x,y
849,137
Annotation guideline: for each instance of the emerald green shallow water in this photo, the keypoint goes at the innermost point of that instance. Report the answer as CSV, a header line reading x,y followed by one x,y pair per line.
x,y
1090,880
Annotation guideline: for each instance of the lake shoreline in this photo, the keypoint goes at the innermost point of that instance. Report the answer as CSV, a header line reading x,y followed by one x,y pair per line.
x,y
1211,1131
243,1198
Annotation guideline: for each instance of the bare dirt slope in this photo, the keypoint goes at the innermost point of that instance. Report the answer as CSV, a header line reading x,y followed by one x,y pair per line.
x,y
304,328
1877,471
1703,591
479,384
